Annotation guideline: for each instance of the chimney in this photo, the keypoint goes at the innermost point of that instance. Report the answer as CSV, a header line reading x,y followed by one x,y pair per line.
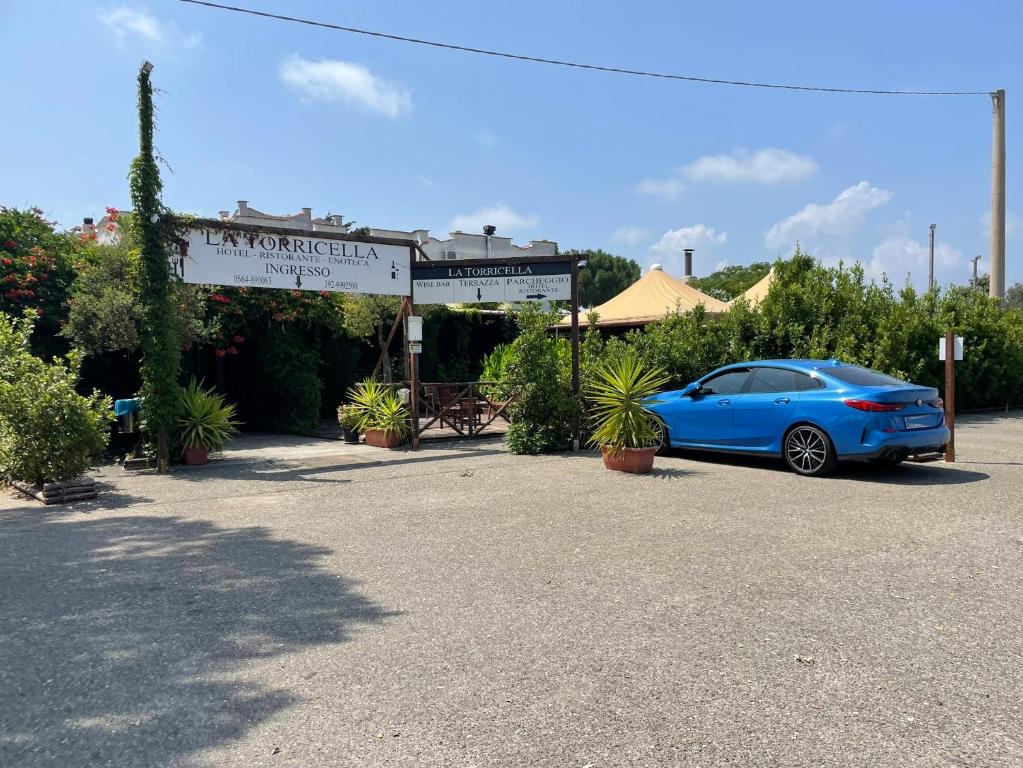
x,y
243,208
337,220
87,221
225,215
688,274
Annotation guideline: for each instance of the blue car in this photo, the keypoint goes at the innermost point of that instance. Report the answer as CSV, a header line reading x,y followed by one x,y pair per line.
x,y
812,413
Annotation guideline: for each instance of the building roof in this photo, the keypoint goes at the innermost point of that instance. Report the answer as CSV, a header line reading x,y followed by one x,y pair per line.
x,y
758,291
651,298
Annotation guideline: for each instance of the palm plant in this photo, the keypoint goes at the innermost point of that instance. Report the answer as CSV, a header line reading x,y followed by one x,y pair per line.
x,y
206,420
363,400
620,392
390,415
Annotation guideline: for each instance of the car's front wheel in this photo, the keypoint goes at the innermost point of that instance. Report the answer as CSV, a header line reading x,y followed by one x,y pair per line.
x,y
809,451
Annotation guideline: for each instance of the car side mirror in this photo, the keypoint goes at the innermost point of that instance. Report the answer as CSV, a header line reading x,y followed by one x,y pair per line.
x,y
691,390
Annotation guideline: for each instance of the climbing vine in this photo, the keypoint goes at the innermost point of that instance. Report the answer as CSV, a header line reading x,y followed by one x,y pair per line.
x,y
161,354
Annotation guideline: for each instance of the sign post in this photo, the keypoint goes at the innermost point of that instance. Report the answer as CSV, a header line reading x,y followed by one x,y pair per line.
x,y
414,342
950,349
576,426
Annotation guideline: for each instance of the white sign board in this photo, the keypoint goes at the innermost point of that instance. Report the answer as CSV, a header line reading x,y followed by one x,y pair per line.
x,y
263,260
460,284
957,351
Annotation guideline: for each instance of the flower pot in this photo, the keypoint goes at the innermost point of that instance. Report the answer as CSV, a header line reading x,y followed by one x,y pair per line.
x,y
638,461
351,435
196,454
380,439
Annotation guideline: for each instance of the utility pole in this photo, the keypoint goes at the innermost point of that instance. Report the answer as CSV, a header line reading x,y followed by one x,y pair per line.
x,y
973,280
997,289
930,263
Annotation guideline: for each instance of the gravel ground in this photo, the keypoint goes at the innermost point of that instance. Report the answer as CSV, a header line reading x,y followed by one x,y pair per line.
x,y
466,607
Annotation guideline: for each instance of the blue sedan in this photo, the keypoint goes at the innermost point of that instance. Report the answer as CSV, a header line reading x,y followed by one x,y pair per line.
x,y
812,413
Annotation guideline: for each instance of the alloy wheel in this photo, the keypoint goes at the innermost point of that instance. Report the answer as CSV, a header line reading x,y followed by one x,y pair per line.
x,y
808,451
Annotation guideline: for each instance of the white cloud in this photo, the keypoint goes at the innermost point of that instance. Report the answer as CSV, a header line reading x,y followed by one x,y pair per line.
x,y
424,179
720,265
486,138
330,80
500,215
765,166
898,256
631,235
841,216
674,241
666,189
127,23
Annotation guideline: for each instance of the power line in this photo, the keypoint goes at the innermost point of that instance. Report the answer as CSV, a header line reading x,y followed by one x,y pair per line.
x,y
576,65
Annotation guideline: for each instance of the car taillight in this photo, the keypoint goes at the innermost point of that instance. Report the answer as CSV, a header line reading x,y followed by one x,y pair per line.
x,y
936,402
870,405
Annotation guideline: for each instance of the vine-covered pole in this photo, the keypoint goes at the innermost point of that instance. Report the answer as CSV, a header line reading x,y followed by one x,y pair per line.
x,y
161,353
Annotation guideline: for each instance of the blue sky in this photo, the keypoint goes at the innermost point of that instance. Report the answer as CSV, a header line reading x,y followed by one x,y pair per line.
x,y
400,136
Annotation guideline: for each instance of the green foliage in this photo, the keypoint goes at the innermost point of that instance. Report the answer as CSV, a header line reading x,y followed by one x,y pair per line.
x,y
604,276
495,369
48,432
206,420
286,394
36,270
730,282
618,395
105,312
363,401
372,405
161,355
1014,296
371,316
542,415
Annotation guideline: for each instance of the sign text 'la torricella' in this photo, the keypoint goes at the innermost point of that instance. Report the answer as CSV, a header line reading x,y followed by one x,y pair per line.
x,y
265,260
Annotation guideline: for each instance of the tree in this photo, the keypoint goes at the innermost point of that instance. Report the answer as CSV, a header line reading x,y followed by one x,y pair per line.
x,y
368,316
36,270
161,351
604,276
1014,297
727,283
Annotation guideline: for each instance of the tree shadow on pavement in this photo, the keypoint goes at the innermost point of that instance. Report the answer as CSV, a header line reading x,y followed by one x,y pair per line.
x,y
124,638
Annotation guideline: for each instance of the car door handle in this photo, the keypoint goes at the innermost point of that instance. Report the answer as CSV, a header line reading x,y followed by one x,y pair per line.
x,y
782,400
724,402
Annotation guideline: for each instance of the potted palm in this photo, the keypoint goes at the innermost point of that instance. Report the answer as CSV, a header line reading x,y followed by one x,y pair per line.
x,y
205,424
379,413
624,428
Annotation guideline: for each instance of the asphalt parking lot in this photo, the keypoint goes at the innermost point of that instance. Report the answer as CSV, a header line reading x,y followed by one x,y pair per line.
x,y
466,607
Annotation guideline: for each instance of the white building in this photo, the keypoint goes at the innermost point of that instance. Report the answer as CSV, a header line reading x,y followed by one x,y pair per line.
x,y
459,245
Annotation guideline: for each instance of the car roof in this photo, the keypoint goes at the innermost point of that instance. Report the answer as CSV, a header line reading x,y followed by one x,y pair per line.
x,y
806,365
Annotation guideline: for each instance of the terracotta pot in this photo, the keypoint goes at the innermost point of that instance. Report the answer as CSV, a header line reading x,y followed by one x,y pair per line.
x,y
196,454
380,439
638,461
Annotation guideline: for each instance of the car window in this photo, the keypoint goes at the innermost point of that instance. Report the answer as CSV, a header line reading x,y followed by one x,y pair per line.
x,y
780,380
861,377
727,383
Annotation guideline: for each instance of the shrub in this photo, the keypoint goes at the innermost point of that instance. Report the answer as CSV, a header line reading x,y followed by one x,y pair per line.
x,y
206,420
542,415
48,432
376,406
621,392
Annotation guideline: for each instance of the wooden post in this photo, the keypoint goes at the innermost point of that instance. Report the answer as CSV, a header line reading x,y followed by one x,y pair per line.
x,y
997,285
950,394
576,426
412,358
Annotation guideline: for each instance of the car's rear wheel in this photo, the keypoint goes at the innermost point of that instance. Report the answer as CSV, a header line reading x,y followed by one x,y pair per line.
x,y
809,451
664,446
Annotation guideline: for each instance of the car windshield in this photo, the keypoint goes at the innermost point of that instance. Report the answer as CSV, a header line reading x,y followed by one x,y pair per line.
x,y
861,377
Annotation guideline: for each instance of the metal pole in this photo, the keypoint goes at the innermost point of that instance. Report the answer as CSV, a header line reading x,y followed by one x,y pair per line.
x,y
411,357
930,263
950,394
973,280
997,288
576,425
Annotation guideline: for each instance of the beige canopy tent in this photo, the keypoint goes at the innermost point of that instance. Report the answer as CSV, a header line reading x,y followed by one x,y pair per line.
x,y
757,292
649,299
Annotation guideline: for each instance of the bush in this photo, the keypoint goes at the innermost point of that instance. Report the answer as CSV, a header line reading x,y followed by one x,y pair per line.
x,y
48,432
542,415
205,421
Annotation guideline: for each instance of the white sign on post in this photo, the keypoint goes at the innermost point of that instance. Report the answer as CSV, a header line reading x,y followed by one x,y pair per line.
x,y
957,351
474,284
264,260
